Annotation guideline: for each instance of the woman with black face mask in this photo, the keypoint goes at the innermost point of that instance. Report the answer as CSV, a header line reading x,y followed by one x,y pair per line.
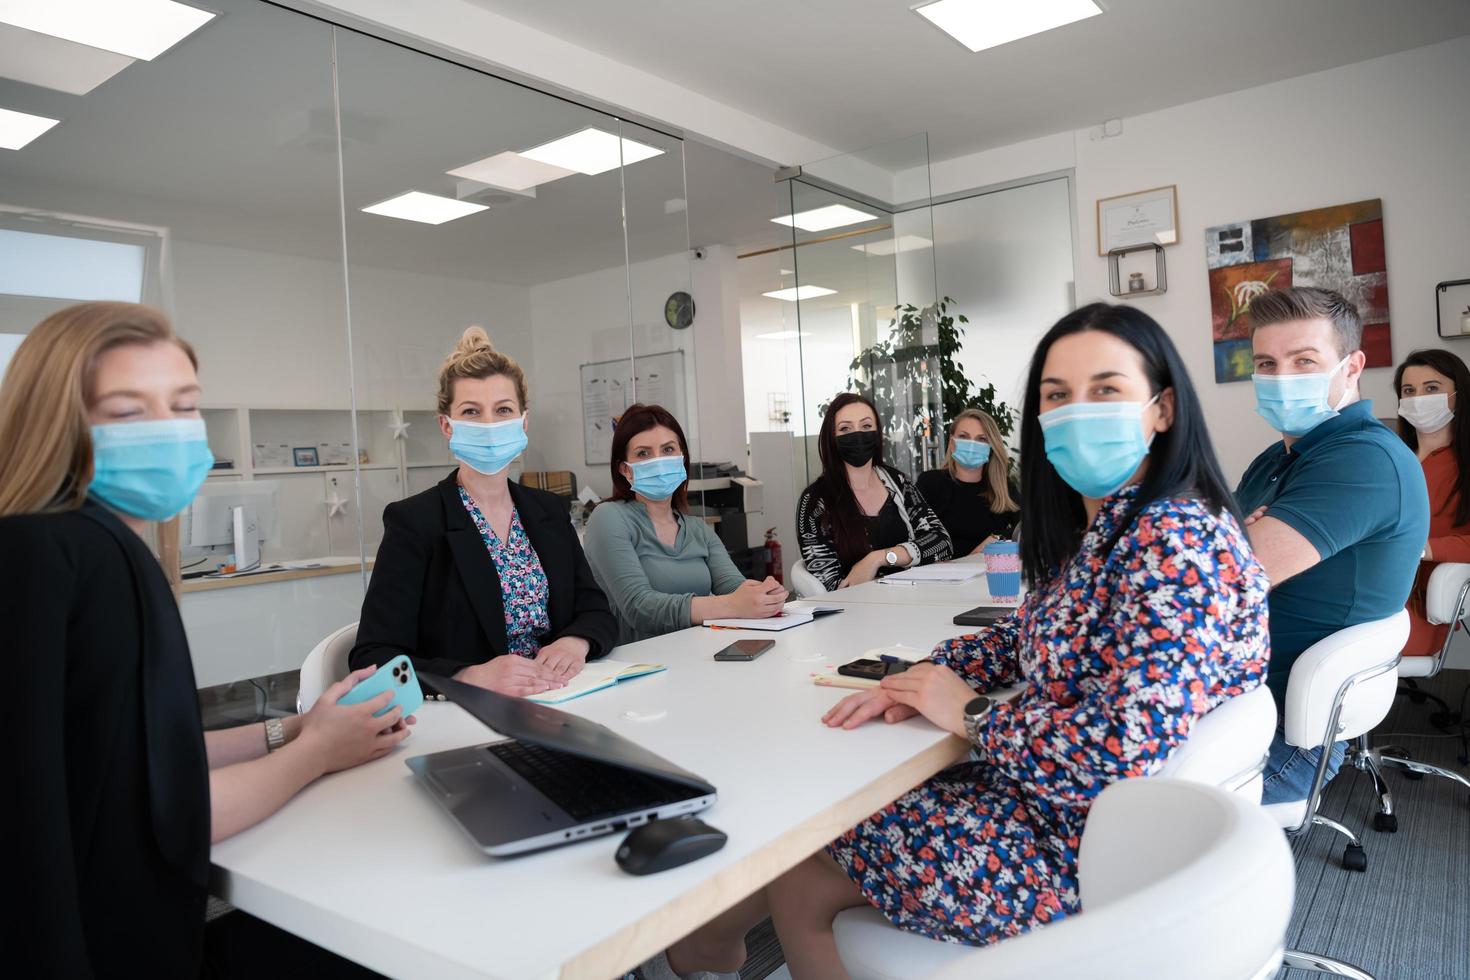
x,y
862,519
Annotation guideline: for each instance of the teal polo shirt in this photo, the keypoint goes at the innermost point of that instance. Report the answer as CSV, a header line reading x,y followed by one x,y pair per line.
x,y
1356,492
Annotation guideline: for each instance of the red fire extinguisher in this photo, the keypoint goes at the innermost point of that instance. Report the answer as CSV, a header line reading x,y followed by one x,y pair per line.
x,y
773,556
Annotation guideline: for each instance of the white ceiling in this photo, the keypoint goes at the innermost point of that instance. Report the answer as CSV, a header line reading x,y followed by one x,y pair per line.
x,y
856,73
230,138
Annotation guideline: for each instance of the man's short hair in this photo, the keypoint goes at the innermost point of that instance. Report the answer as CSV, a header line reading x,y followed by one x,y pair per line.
x,y
1310,303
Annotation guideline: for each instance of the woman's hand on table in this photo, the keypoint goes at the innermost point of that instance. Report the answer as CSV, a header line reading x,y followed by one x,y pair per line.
x,y
934,691
756,600
856,709
564,658
512,675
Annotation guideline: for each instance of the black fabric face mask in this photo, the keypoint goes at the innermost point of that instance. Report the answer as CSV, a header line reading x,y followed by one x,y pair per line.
x,y
858,448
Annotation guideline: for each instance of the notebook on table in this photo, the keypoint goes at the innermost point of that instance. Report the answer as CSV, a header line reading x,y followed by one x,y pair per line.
x,y
943,572
596,676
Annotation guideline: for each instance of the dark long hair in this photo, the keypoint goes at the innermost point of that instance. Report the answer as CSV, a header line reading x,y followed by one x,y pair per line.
x,y
844,516
1181,460
1449,365
639,418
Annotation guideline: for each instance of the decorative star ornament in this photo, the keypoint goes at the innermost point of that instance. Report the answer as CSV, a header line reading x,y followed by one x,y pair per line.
x,y
336,505
399,427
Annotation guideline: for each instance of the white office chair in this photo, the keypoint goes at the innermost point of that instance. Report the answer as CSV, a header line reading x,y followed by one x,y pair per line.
x,y
324,666
1448,593
1340,688
804,583
1228,746
1171,872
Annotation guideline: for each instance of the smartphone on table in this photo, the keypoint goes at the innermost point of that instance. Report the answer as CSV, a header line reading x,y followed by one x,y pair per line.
x,y
397,675
984,615
745,650
873,670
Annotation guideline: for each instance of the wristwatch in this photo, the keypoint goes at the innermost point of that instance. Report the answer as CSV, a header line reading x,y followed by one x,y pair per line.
x,y
891,558
975,712
275,735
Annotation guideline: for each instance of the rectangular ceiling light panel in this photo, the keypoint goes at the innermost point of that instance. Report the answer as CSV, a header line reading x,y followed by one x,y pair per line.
x,y
19,128
800,292
824,219
981,24
887,246
590,151
511,171
430,209
137,28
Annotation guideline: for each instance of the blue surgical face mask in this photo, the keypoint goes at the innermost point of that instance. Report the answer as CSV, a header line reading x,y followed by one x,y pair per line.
x,y
1295,404
657,479
1096,446
971,453
487,447
149,469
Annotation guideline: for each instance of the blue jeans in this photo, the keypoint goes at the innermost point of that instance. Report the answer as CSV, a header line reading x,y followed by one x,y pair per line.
x,y
1289,770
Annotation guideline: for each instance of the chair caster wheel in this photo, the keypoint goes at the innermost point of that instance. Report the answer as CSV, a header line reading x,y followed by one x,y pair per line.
x,y
1354,858
1387,823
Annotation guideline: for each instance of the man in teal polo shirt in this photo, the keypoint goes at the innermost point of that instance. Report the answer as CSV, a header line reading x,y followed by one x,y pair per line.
x,y
1338,510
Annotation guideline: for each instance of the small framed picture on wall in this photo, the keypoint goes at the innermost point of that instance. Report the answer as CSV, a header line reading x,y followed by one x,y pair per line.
x,y
1146,218
305,456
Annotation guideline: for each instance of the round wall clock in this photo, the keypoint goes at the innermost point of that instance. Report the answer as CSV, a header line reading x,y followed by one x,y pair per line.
x,y
679,310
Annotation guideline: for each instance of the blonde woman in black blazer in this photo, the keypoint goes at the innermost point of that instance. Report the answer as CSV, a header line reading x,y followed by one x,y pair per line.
x,y
480,578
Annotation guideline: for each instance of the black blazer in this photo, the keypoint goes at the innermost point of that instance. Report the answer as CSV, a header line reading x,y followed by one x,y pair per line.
x,y
108,819
435,594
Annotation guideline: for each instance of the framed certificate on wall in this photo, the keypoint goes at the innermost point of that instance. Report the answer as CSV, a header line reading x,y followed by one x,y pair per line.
x,y
1147,217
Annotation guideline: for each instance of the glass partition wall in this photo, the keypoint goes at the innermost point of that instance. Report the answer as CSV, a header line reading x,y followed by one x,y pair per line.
x,y
926,304
322,214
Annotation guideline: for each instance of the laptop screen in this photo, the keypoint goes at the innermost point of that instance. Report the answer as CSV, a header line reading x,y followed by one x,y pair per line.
x,y
527,721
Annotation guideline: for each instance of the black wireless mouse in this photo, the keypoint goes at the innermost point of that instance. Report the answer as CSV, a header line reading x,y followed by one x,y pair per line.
x,y
664,844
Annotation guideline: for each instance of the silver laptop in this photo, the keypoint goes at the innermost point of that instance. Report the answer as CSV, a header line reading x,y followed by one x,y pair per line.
x,y
556,778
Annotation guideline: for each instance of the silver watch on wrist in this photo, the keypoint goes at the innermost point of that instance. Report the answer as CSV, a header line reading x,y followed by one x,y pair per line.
x,y
975,712
891,558
275,734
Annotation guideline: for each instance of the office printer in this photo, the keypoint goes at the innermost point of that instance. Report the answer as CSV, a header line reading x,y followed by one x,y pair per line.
x,y
724,493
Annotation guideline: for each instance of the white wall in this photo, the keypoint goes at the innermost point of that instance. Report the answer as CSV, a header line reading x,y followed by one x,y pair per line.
x,y
270,333
1395,128
584,319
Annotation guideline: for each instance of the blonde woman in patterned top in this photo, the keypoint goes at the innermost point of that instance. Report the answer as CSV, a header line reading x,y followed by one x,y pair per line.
x,y
480,578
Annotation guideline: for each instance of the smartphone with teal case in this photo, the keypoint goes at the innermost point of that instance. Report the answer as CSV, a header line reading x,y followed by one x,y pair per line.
x,y
397,675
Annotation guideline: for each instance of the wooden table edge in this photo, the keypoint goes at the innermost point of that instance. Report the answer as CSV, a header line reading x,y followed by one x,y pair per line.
x,y
636,942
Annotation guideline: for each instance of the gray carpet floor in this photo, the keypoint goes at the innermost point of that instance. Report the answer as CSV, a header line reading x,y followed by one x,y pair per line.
x,y
1406,918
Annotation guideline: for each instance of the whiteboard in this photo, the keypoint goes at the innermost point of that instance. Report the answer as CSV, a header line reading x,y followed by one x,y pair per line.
x,y
608,389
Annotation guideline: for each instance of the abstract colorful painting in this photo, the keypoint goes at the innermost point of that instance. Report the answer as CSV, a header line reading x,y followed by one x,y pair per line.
x,y
1337,248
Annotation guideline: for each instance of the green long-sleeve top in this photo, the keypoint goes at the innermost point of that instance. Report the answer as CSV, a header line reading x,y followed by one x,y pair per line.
x,y
652,586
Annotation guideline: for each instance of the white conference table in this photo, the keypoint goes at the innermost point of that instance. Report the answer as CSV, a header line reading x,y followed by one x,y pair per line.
x,y
956,596
365,864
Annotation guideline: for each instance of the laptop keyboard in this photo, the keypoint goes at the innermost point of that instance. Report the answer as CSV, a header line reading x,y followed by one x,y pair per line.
x,y
585,788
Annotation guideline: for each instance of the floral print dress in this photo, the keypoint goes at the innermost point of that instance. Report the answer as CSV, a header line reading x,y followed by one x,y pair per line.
x,y
523,587
1120,654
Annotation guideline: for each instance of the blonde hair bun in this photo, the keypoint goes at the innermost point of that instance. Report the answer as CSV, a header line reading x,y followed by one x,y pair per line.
x,y
474,356
473,341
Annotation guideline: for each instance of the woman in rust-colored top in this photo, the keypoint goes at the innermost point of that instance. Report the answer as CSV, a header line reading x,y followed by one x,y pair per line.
x,y
1428,385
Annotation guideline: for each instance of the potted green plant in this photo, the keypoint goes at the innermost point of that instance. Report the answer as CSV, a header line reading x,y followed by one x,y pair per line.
x,y
913,378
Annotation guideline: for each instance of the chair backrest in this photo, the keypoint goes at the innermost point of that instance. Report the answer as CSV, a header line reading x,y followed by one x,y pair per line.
x,y
1448,585
1171,872
804,582
1358,661
1227,746
324,666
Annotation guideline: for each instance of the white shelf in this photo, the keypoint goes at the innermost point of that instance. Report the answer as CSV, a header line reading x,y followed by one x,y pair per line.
x,y
338,468
437,466
229,472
